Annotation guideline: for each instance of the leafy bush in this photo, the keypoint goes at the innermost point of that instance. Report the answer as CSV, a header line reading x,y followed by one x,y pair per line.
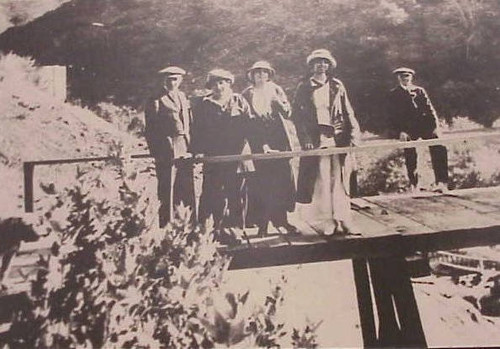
x,y
473,167
386,174
468,167
126,118
16,72
117,280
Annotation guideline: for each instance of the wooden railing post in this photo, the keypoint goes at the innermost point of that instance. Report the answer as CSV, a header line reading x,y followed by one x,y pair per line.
x,y
28,169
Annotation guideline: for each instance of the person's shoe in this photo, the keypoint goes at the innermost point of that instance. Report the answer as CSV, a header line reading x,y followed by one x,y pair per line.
x,y
291,229
262,232
227,238
341,228
330,231
440,187
348,228
416,188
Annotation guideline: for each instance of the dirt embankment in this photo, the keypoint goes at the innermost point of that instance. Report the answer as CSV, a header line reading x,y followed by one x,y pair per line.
x,y
36,126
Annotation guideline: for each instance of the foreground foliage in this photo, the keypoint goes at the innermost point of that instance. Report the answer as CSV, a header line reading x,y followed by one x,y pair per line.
x,y
116,280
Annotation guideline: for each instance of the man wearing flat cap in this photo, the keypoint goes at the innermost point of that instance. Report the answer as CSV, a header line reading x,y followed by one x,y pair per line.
x,y
168,128
413,117
222,126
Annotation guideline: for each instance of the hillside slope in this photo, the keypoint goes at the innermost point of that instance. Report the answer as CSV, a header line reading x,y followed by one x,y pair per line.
x,y
19,12
114,47
35,126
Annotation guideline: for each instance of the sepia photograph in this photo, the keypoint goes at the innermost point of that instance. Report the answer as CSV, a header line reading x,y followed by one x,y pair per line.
x,y
249,174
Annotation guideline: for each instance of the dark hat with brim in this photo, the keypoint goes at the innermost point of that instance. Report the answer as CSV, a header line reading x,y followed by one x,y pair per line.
x,y
403,70
172,70
219,74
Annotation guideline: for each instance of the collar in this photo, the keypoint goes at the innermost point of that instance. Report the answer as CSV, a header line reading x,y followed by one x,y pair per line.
x,y
407,88
316,83
210,99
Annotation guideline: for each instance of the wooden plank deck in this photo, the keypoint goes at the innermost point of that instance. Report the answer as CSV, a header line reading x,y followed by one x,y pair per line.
x,y
391,225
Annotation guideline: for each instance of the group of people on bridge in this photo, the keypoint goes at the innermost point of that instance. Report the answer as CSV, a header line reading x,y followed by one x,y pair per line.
x,y
223,122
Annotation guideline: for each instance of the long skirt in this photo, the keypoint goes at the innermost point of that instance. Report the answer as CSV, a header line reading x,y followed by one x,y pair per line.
x,y
272,192
330,200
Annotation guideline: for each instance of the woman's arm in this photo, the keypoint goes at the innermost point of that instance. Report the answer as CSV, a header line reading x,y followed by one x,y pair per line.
x,y
280,102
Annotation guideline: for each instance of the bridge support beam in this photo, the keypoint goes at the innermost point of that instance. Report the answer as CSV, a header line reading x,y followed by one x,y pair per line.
x,y
399,323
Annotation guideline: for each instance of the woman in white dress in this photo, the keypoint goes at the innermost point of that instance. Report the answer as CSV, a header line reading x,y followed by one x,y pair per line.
x,y
324,118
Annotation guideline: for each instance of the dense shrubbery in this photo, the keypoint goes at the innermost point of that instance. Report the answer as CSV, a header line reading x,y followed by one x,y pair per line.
x,y
467,169
116,280
385,175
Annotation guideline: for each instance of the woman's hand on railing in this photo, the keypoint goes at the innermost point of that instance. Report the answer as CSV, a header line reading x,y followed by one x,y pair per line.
x,y
308,146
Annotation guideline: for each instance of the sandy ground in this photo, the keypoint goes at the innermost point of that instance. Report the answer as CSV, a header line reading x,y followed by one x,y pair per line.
x,y
313,293
325,292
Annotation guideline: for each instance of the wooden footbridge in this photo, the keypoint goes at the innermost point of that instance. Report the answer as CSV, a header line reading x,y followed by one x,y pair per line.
x,y
391,228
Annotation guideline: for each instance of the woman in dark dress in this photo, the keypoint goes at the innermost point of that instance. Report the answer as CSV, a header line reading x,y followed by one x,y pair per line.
x,y
272,191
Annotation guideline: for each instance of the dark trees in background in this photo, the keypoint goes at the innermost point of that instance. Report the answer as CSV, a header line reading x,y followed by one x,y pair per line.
x,y
453,45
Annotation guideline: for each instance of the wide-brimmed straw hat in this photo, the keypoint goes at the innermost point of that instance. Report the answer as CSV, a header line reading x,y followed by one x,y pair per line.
x,y
218,74
261,65
322,53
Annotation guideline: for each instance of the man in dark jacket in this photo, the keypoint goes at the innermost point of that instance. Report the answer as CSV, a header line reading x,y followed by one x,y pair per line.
x,y
222,126
413,117
168,123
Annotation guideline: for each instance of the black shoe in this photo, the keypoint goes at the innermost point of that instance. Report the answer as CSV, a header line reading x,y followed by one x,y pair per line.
x,y
344,228
440,187
262,232
291,229
226,238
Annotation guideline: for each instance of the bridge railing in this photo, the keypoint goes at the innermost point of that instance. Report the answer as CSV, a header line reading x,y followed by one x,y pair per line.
x,y
369,145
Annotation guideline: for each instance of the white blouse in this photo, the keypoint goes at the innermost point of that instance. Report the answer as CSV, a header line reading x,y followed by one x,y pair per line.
x,y
321,100
262,98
